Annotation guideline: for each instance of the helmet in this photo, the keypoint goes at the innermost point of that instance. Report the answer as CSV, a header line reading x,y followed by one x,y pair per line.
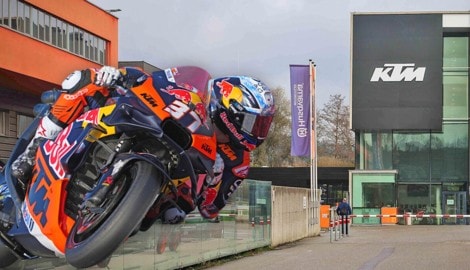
x,y
243,108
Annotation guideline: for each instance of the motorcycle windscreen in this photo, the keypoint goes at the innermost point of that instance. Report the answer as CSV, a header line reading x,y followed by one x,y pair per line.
x,y
191,78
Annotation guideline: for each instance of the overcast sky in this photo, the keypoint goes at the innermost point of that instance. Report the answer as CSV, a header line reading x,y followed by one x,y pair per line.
x,y
259,38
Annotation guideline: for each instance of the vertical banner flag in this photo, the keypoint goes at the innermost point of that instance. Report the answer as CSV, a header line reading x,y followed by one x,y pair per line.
x,y
300,109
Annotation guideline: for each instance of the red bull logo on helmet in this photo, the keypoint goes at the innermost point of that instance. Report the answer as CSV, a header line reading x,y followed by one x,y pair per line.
x,y
228,92
226,88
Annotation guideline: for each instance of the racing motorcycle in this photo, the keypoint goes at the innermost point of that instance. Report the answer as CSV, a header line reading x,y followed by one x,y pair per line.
x,y
95,184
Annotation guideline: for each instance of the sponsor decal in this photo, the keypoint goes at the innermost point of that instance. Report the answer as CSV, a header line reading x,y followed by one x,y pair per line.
x,y
151,101
302,129
398,73
226,88
169,74
178,109
74,96
225,148
57,150
90,116
231,127
206,148
181,94
186,96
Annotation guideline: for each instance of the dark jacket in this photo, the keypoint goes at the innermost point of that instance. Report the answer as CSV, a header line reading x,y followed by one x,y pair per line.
x,y
344,209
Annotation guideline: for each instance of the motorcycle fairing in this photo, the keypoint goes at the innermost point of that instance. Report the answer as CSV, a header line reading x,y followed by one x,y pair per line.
x,y
183,111
43,208
43,214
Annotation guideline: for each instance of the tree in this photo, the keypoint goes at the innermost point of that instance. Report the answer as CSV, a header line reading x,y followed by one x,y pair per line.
x,y
334,137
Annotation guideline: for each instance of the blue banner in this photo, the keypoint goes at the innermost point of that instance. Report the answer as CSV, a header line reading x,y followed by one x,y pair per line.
x,y
300,108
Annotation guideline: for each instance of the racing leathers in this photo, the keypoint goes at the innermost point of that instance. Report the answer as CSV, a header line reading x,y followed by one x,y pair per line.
x,y
80,90
230,169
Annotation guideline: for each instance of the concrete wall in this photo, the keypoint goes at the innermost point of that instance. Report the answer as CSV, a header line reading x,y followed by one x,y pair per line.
x,y
294,215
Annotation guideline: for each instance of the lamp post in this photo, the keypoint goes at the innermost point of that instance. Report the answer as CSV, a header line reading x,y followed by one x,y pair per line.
x,y
113,10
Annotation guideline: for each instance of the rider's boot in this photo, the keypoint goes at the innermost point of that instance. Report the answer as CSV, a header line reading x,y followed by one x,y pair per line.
x,y
173,215
22,167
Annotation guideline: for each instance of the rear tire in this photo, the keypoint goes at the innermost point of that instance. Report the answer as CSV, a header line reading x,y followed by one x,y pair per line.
x,y
95,236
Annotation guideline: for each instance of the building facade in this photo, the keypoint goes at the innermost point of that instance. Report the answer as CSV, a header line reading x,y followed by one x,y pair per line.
x,y
332,181
410,113
43,42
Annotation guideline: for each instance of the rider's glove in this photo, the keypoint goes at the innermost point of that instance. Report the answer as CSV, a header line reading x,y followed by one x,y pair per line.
x,y
107,76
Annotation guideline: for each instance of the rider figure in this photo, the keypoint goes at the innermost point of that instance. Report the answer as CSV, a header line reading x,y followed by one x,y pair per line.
x,y
84,88
241,109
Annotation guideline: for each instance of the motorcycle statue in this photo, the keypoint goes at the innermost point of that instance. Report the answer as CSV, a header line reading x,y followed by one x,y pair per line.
x,y
94,185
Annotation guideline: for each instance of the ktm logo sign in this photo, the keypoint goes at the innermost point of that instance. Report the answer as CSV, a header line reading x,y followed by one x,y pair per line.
x,y
398,73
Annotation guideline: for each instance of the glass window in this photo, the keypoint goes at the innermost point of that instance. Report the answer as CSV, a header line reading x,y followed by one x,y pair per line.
x,y
3,123
413,197
79,40
71,33
27,20
102,49
54,33
47,28
455,86
41,24
34,21
14,14
455,80
64,35
20,19
449,153
375,151
5,17
411,156
93,48
86,39
455,52
20,16
23,122
61,37
1,11
377,195
419,198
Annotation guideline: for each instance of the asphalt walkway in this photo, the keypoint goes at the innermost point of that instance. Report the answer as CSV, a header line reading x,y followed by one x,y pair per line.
x,y
379,247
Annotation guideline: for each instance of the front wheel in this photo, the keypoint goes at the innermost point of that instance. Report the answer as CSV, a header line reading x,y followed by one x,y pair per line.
x,y
97,234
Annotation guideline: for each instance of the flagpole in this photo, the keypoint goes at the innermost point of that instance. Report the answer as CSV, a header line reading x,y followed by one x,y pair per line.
x,y
313,145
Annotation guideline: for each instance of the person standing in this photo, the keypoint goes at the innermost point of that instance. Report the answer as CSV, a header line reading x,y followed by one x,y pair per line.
x,y
344,210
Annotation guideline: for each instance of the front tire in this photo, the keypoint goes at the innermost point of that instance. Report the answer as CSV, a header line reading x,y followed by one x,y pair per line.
x,y
95,236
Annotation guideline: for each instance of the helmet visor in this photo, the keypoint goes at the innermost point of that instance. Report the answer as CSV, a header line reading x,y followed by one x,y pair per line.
x,y
256,125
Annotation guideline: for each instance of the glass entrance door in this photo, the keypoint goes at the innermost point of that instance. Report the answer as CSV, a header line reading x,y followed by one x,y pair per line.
x,y
454,203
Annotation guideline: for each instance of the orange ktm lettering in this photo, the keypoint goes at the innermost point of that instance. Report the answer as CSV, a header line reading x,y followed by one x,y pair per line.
x,y
228,151
151,98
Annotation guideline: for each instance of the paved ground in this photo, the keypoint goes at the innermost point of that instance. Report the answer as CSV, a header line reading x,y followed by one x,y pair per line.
x,y
382,248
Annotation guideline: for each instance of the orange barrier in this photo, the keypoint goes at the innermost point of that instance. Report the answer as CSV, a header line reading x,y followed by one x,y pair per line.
x,y
325,216
389,211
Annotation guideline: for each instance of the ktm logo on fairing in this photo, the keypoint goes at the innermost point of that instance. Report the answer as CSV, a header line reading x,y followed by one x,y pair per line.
x,y
149,99
207,148
398,73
